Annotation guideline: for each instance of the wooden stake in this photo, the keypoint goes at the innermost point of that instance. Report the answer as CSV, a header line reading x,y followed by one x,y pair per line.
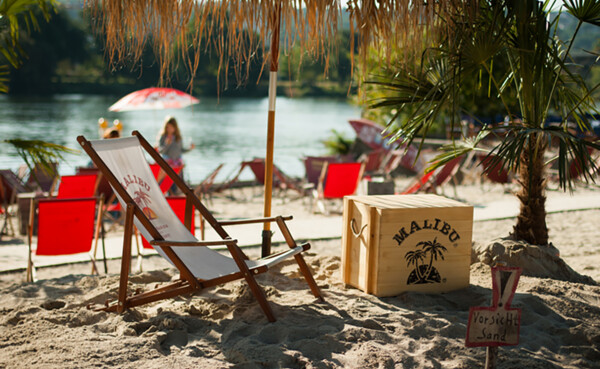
x,y
491,355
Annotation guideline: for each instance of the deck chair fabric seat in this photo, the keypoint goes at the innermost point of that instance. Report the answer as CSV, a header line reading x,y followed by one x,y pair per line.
x,y
64,227
336,181
72,217
123,163
78,185
165,182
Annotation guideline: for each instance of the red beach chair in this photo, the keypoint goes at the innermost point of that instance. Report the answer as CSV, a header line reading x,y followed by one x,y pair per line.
x,y
336,181
205,188
281,181
78,185
164,181
74,217
495,173
431,181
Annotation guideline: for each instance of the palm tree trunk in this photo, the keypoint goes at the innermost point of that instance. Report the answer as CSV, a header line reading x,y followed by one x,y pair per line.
x,y
531,222
429,267
418,270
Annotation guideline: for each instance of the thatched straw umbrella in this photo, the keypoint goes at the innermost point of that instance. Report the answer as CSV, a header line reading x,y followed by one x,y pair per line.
x,y
224,25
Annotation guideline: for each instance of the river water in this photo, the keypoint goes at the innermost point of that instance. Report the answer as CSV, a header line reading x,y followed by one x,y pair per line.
x,y
225,130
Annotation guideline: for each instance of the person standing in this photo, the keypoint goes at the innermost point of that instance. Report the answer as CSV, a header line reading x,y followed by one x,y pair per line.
x,y
170,143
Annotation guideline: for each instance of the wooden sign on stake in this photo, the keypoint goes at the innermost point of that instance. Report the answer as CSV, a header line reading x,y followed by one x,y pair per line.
x,y
497,325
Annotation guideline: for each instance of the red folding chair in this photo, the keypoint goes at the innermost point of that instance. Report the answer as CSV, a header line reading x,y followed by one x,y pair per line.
x,y
78,185
205,188
164,181
281,181
177,203
418,184
64,227
431,181
336,181
495,173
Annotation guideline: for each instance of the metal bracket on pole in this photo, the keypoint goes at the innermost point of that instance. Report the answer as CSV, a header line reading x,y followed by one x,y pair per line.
x,y
266,243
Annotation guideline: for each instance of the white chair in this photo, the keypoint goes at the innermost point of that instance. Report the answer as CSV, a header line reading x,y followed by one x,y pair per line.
x,y
123,163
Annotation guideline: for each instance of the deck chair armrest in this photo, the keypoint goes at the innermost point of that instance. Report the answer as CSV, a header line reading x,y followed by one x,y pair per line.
x,y
198,243
252,220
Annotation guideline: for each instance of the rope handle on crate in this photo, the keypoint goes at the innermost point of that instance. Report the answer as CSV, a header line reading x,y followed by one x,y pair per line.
x,y
353,228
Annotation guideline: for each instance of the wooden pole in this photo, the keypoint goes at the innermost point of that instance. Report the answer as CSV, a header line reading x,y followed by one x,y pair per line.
x,y
266,234
491,354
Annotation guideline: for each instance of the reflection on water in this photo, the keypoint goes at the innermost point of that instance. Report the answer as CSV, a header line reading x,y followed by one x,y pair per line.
x,y
224,131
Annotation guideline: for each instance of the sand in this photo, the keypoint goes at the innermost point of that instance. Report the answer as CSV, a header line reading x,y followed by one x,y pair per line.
x,y
47,325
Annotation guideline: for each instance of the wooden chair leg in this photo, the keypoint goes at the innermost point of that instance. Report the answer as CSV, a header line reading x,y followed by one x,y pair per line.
x,y
257,291
30,274
260,296
304,269
139,267
125,260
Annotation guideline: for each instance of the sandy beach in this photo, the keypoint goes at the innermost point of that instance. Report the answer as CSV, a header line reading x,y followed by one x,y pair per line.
x,y
46,324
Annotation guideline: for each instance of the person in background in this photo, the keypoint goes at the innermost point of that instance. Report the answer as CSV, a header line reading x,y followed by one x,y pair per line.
x,y
170,143
111,133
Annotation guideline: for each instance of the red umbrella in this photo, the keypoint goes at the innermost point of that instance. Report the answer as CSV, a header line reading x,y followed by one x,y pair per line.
x,y
154,98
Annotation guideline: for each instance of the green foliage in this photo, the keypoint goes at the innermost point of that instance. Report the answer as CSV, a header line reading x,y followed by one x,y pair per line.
x,y
39,152
338,144
15,14
511,52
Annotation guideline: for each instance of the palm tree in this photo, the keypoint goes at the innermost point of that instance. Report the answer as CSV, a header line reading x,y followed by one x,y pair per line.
x,y
414,257
434,249
142,199
538,76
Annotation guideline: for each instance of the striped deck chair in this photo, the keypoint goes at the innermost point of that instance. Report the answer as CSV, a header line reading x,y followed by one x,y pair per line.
x,y
123,164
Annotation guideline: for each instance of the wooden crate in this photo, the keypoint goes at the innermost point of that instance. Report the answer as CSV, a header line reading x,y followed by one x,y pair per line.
x,y
397,243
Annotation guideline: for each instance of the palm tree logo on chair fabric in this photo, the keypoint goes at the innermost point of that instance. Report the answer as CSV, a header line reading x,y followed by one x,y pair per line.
x,y
142,199
425,273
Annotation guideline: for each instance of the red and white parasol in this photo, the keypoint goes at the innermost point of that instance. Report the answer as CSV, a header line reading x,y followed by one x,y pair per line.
x,y
154,98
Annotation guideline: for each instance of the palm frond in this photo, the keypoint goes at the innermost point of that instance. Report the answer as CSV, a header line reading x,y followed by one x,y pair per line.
x,y
39,152
455,149
585,10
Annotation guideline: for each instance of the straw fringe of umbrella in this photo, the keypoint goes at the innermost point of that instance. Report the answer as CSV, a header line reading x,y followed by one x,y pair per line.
x,y
222,26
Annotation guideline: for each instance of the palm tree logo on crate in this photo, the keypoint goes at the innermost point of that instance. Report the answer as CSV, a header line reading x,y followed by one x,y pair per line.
x,y
425,273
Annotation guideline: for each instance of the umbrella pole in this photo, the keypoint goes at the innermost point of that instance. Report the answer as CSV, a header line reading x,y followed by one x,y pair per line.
x,y
266,233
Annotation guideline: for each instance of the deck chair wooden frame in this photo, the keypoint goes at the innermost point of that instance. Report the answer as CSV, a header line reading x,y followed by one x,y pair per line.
x,y
188,283
281,181
205,188
10,186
